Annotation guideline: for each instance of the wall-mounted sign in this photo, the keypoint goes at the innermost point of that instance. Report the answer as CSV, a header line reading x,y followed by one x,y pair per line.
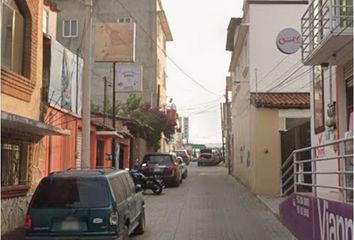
x,y
289,41
115,42
65,83
129,78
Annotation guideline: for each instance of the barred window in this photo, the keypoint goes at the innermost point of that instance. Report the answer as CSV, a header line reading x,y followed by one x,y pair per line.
x,y
14,163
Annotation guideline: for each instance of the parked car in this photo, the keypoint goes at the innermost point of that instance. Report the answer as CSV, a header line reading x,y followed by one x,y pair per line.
x,y
164,165
184,167
184,155
208,159
86,204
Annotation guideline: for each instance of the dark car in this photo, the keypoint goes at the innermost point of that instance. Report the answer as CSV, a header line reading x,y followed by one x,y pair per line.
x,y
184,155
163,165
208,159
86,204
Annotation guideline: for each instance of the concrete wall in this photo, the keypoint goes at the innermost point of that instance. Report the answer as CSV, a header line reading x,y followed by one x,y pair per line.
x,y
268,151
106,11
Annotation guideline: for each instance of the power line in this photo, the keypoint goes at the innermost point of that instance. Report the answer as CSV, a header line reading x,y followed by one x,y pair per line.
x,y
168,57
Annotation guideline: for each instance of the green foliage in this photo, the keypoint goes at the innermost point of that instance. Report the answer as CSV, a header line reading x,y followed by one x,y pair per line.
x,y
133,108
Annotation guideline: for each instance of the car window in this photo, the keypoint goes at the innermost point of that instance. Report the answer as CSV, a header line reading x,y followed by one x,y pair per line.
x,y
118,189
71,193
158,159
131,184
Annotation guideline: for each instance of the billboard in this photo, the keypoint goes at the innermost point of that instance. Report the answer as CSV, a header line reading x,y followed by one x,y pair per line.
x,y
115,42
129,78
65,84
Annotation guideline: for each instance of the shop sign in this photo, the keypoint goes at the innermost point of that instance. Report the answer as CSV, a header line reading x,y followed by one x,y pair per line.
x,y
313,218
289,41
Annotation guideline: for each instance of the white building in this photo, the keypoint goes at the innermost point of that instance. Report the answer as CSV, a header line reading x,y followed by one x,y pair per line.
x,y
270,90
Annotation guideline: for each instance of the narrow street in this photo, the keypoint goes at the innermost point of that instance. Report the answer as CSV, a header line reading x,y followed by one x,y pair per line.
x,y
209,205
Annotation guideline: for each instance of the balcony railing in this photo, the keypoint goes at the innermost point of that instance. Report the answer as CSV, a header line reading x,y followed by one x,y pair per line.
x,y
323,22
302,175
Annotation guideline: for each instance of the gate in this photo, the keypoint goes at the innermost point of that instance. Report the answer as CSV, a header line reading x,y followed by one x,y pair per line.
x,y
295,138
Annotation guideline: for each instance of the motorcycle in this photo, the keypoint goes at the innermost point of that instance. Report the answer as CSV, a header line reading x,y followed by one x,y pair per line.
x,y
154,183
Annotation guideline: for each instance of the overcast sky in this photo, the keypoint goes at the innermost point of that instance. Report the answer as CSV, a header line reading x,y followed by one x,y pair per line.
x,y
199,30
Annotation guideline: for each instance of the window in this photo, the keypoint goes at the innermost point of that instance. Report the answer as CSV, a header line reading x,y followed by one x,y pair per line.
x,y
71,192
124,20
45,21
70,28
12,37
14,163
318,99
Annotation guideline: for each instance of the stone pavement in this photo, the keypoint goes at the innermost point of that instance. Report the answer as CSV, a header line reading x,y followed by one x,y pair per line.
x,y
210,205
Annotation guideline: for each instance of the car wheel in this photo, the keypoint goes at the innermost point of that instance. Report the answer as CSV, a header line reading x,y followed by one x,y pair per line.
x,y
177,182
140,229
157,189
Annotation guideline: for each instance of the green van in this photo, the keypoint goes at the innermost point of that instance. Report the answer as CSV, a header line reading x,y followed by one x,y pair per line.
x,y
86,204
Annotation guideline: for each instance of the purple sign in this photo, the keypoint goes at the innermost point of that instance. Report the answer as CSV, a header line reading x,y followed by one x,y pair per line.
x,y
315,218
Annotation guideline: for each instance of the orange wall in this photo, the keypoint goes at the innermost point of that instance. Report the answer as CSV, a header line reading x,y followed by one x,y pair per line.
x,y
63,148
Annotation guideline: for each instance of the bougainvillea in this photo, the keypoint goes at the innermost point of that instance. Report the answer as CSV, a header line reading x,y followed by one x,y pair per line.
x,y
155,118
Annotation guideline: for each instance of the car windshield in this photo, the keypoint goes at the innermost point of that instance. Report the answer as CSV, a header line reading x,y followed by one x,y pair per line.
x,y
205,155
160,160
73,192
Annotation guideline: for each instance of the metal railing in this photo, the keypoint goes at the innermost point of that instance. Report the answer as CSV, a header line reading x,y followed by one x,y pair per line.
x,y
323,18
301,175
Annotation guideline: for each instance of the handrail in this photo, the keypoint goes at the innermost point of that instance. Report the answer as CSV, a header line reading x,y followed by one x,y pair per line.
x,y
298,172
324,144
321,19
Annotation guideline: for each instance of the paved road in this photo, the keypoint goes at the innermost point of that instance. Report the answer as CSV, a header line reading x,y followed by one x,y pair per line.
x,y
209,205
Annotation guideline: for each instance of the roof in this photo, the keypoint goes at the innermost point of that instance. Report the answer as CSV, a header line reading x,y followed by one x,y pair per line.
x,y
281,100
231,33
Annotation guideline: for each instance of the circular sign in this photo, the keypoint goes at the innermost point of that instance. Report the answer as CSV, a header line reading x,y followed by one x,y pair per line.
x,y
289,41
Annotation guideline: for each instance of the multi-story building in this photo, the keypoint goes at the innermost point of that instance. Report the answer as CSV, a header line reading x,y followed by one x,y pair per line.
x,y
270,91
22,114
326,210
152,33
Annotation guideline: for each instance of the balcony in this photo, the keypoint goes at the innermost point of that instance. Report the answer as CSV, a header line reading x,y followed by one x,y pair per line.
x,y
327,32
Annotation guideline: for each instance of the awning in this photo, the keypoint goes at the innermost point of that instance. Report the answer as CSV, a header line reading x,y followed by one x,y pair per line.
x,y
109,134
11,121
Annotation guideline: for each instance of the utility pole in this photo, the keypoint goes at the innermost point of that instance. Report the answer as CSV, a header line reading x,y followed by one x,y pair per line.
x,y
105,99
222,129
114,164
227,121
86,87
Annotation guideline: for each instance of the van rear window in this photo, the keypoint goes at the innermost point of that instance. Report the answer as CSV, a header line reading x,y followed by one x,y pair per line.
x,y
158,159
71,192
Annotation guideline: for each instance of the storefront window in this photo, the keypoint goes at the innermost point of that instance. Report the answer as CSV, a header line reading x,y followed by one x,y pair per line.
x,y
318,99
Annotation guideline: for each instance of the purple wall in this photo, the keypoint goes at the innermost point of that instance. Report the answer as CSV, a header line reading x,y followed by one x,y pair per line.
x,y
314,218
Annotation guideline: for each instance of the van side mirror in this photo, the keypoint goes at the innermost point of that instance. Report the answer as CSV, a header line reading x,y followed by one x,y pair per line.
x,y
138,188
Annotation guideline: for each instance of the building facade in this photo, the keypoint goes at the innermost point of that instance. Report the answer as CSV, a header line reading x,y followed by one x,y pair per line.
x,y
22,114
152,33
327,47
270,90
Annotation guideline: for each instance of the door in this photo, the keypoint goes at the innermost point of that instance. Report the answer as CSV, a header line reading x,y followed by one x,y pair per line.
x,y
296,138
131,198
100,153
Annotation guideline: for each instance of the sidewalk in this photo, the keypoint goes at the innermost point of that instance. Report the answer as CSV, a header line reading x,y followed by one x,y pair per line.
x,y
272,203
17,234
